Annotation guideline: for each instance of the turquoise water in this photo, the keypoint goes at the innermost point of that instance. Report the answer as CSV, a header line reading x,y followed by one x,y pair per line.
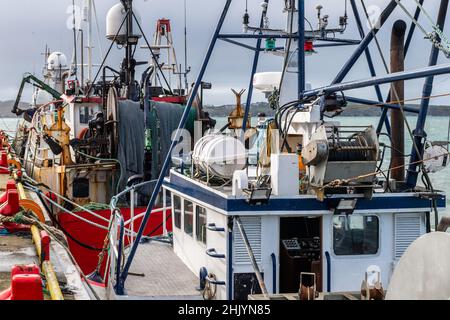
x,y
436,128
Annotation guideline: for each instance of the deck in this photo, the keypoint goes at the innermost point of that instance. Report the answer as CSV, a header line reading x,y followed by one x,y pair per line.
x,y
158,273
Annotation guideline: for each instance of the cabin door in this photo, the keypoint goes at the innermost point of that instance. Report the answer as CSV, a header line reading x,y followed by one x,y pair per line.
x,y
300,252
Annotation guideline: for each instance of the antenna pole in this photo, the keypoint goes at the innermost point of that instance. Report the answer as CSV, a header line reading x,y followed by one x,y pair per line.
x,y
75,40
301,47
185,48
89,47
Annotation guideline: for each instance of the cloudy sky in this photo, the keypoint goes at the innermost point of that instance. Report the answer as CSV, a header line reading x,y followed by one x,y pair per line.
x,y
27,26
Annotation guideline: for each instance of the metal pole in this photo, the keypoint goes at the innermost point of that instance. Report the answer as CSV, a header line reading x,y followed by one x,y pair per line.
x,y
301,48
132,195
398,76
393,106
419,133
364,43
181,126
397,120
412,28
254,68
369,61
185,50
89,40
82,56
252,256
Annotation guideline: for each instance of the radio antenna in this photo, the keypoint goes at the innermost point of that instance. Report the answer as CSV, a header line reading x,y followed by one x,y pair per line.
x,y
185,48
75,40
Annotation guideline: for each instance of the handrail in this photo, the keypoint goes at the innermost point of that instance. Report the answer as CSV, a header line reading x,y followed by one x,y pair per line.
x,y
274,273
213,227
328,258
216,282
213,254
116,252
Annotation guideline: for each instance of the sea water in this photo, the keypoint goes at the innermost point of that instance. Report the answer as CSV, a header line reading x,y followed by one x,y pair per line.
x,y
437,129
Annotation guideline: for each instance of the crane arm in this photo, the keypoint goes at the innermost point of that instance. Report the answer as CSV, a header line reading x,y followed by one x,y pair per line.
x,y
31,79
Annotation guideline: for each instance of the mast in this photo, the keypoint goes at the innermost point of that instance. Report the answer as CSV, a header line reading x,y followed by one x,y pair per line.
x,y
89,47
185,49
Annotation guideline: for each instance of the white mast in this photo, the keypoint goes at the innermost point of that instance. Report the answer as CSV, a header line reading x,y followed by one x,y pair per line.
x,y
87,17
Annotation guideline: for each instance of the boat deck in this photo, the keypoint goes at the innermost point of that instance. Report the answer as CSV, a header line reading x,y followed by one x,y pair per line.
x,y
158,273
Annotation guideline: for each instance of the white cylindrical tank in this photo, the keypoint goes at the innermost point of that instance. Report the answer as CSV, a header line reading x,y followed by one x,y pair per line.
x,y
114,20
220,155
267,81
57,61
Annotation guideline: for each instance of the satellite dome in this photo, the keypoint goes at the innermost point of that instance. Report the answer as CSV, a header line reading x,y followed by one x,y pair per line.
x,y
114,19
57,61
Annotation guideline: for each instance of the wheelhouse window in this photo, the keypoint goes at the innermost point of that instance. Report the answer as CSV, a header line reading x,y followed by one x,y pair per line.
x,y
177,211
200,218
189,217
355,235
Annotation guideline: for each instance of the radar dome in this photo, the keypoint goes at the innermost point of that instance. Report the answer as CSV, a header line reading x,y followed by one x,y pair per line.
x,y
57,61
114,20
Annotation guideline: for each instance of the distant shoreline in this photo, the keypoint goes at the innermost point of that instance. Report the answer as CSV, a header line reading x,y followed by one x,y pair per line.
x,y
349,111
262,107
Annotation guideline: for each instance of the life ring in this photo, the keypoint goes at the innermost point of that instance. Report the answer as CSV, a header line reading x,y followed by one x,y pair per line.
x,y
83,133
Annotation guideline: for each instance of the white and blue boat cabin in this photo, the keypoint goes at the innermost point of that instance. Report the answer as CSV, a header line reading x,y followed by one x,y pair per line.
x,y
336,239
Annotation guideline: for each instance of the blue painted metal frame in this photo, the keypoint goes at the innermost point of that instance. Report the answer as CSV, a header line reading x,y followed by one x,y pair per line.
x,y
382,104
301,49
392,77
364,44
371,66
419,132
412,29
254,68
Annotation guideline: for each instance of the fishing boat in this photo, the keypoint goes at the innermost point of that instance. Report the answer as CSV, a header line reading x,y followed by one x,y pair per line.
x,y
295,207
309,212
90,145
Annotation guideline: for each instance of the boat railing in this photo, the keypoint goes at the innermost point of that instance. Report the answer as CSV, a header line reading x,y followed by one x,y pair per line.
x,y
122,233
116,246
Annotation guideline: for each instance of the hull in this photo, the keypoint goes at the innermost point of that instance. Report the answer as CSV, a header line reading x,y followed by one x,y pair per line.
x,y
86,240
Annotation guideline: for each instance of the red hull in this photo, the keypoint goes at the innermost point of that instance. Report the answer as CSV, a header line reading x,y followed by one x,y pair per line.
x,y
92,236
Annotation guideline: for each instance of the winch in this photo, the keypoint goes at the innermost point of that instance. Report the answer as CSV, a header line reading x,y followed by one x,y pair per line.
x,y
340,153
